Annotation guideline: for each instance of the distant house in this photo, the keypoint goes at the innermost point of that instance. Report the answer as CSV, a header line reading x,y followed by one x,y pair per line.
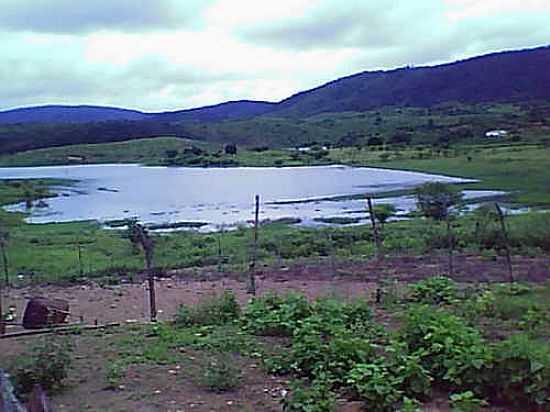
x,y
73,158
496,133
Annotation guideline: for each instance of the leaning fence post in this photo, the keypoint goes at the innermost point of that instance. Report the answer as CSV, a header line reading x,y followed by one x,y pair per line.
x,y
252,268
506,241
377,242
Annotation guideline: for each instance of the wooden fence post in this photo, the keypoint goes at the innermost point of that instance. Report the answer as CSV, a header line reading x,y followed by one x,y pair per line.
x,y
252,268
450,244
79,256
506,241
2,323
5,265
148,249
377,241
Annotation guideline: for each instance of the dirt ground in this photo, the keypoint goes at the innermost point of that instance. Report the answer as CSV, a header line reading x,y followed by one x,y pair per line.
x,y
170,387
129,302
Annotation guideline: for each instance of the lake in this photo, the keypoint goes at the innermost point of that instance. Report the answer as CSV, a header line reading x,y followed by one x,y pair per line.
x,y
216,196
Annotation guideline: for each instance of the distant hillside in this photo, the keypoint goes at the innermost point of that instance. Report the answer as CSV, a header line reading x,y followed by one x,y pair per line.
x,y
514,76
508,77
68,114
241,109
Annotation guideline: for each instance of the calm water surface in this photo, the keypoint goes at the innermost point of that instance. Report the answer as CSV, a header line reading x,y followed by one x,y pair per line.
x,y
217,196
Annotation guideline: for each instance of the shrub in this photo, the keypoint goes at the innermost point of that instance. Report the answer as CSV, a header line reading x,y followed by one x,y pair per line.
x,y
314,398
437,289
47,365
216,310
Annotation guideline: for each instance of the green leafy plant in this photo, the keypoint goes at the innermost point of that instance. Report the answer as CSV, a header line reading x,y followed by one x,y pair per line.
x,y
535,321
275,315
48,365
521,371
466,402
451,350
410,405
316,397
376,384
437,289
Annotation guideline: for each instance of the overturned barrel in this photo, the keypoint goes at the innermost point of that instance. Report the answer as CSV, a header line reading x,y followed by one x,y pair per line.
x,y
43,312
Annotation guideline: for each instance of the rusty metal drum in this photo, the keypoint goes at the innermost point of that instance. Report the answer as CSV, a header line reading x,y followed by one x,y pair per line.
x,y
43,312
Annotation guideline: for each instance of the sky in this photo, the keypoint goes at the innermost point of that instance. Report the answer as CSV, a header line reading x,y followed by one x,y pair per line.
x,y
155,55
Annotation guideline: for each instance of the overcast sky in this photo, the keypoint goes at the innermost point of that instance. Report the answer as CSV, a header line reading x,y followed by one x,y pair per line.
x,y
173,54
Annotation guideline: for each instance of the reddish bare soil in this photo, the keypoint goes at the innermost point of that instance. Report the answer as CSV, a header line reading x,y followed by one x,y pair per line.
x,y
343,279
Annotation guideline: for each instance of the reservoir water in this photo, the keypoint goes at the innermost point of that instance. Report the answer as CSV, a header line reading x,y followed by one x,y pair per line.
x,y
215,196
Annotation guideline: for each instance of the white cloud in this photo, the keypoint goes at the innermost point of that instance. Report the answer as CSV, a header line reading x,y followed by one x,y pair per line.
x,y
173,54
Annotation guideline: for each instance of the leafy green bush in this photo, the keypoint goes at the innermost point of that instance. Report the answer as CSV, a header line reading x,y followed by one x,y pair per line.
x,y
437,289
47,365
314,398
215,310
274,315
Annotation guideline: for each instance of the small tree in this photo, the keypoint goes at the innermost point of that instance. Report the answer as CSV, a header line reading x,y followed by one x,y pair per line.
x,y
383,212
435,199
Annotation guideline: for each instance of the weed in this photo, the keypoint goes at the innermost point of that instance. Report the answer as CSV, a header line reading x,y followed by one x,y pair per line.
x,y
221,374
115,372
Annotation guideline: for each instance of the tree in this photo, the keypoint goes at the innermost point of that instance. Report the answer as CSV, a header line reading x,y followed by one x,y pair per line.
x,y
435,199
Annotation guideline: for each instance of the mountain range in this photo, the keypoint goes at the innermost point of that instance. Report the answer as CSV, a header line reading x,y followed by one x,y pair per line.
x,y
511,76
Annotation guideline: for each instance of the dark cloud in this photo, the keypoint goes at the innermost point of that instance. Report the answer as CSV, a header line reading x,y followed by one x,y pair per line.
x,y
70,16
342,24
